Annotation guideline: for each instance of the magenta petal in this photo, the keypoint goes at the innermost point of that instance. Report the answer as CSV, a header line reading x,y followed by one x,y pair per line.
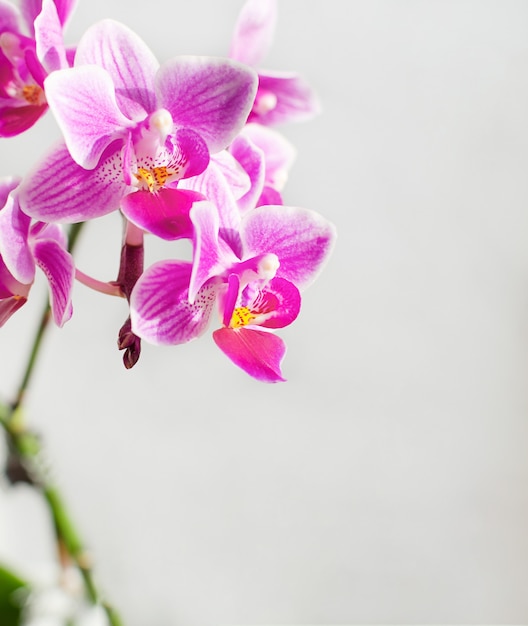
x,y
31,8
192,152
209,259
9,18
252,160
279,304
129,62
15,120
58,266
14,248
84,104
212,96
257,352
60,190
279,154
7,184
301,239
160,309
10,306
233,173
48,38
254,31
164,213
295,99
214,186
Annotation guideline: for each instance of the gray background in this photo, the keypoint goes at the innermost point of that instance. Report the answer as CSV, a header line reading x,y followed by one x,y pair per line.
x,y
387,481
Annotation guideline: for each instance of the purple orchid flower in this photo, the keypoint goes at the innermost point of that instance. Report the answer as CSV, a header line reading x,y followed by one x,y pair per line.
x,y
133,130
281,96
26,59
23,247
254,278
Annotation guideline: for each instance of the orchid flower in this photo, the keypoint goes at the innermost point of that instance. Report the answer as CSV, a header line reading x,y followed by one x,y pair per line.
x,y
281,96
23,247
133,129
255,282
26,59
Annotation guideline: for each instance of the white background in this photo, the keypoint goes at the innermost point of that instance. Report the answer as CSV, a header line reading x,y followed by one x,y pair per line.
x,y
387,480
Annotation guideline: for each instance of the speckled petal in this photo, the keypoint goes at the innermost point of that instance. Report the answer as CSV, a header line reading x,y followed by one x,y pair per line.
x,y
57,265
60,190
160,309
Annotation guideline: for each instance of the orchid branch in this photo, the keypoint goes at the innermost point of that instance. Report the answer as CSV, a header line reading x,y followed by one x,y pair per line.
x,y
25,464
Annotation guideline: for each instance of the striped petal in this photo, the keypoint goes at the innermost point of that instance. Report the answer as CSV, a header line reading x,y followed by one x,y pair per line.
x,y
160,310
301,239
83,101
57,265
212,96
128,60
59,190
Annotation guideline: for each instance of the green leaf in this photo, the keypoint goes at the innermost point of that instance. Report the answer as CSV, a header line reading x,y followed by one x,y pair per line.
x,y
12,594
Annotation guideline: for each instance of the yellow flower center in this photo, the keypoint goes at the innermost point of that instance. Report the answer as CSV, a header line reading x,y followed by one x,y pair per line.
x,y
242,316
32,94
156,177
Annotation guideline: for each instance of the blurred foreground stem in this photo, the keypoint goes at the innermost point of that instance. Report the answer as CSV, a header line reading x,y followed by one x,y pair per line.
x,y
26,464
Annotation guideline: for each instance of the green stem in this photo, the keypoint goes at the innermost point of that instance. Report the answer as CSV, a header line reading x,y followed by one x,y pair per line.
x,y
26,448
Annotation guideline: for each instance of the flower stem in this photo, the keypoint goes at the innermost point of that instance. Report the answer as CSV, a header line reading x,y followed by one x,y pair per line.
x,y
25,464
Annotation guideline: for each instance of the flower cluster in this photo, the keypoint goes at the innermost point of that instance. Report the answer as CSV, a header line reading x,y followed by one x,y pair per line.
x,y
184,150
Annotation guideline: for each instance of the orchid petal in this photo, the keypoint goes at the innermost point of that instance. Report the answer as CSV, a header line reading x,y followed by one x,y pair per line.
x,y
31,8
254,31
42,230
14,248
301,239
48,38
209,95
164,213
269,196
10,306
15,120
60,190
191,150
9,285
7,184
278,304
59,268
257,352
160,309
13,294
210,259
127,59
213,185
234,174
84,104
295,99
9,18
279,153
252,160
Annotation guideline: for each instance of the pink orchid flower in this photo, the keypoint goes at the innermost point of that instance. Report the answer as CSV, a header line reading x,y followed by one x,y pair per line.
x,y
26,59
281,96
254,278
133,129
23,247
